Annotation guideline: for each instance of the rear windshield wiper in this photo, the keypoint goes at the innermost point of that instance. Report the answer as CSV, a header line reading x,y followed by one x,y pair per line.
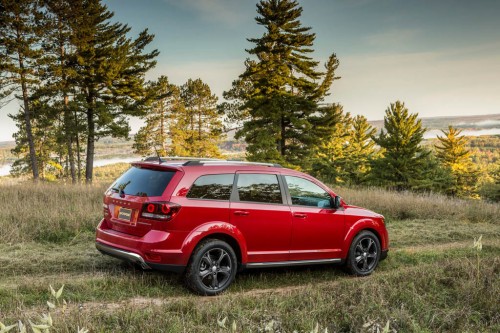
x,y
120,191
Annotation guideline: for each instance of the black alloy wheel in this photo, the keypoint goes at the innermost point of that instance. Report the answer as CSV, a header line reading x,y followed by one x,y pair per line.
x,y
364,254
212,267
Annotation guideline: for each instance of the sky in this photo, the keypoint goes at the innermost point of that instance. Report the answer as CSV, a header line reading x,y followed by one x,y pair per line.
x,y
442,58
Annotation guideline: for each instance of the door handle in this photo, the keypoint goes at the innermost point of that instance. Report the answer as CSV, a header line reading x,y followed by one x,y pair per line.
x,y
241,212
300,215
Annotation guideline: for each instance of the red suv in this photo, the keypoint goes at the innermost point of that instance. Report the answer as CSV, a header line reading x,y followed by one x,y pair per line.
x,y
212,218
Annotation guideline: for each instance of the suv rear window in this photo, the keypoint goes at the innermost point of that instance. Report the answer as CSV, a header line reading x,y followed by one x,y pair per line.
x,y
214,187
143,182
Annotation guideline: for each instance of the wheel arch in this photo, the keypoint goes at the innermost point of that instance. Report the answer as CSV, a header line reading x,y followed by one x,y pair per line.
x,y
229,240
359,226
217,230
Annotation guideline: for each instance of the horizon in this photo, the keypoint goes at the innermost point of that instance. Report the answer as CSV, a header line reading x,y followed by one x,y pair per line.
x,y
441,59
487,129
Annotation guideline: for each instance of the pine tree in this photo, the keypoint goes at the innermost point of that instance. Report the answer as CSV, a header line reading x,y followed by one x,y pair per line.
x,y
45,126
19,55
360,151
110,72
278,94
401,164
198,125
454,155
155,136
60,72
330,155
490,190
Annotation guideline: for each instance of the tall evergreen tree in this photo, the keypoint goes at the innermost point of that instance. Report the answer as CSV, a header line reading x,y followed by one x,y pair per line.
x,y
110,69
19,55
45,127
452,152
155,135
198,125
59,72
278,94
360,151
330,155
401,165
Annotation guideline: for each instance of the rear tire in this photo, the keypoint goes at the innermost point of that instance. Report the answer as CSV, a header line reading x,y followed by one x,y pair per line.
x,y
364,254
212,267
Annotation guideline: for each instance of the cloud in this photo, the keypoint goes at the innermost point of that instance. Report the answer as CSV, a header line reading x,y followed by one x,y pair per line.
x,y
447,82
217,74
392,37
228,12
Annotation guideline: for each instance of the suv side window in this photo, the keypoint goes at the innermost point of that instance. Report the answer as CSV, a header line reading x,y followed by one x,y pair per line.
x,y
212,187
306,193
259,187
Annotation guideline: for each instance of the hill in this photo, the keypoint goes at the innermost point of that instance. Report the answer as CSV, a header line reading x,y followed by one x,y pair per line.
x,y
479,122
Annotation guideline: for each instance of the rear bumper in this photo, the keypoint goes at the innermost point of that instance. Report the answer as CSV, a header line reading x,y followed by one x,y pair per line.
x,y
121,254
157,249
136,259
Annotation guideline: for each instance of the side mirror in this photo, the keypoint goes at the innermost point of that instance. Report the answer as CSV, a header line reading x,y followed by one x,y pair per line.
x,y
336,202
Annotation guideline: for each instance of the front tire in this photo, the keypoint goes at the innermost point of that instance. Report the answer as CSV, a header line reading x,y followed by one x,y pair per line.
x,y
364,254
212,267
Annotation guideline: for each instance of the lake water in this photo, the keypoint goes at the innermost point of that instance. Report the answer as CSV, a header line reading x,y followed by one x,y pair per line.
x,y
432,134
5,169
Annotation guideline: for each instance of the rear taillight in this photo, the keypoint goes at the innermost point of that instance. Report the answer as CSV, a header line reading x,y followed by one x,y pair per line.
x,y
163,211
105,210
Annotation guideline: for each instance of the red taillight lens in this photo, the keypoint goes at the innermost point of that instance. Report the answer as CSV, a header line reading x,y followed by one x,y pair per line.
x,y
163,211
105,210
165,208
150,208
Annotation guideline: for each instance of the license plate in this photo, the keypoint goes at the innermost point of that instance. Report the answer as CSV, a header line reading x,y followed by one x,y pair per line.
x,y
125,214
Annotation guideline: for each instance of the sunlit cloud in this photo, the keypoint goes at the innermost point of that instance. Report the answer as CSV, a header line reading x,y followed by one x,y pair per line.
x,y
431,83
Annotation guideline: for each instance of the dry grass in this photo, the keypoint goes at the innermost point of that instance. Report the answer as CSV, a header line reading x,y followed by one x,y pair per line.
x,y
408,205
110,172
48,212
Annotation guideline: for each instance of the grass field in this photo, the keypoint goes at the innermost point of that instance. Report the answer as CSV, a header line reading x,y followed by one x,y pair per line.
x,y
432,281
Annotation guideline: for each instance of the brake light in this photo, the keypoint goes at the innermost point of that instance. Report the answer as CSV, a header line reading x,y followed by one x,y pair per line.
x,y
163,211
105,210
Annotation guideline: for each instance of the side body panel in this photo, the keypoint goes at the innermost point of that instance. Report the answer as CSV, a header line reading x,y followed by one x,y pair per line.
x,y
317,233
266,228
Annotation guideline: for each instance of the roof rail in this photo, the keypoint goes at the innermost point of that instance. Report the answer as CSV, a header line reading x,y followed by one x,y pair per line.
x,y
226,162
179,158
192,161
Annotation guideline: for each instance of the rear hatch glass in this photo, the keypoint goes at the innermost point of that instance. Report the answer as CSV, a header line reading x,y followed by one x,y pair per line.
x,y
130,192
143,182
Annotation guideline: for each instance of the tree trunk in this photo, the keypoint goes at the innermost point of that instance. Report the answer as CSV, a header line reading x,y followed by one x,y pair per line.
x,y
67,113
162,128
77,141
282,149
27,122
199,130
69,139
89,168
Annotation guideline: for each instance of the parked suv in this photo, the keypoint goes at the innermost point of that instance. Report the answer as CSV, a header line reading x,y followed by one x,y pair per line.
x,y
211,218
